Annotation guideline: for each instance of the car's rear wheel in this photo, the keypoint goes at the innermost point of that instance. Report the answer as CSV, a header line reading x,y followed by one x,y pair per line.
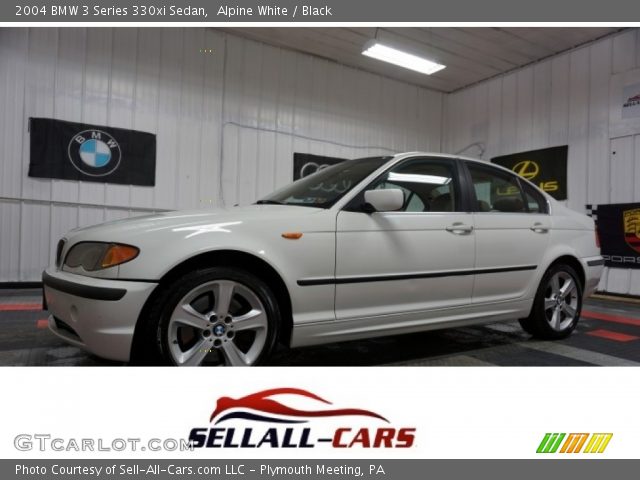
x,y
214,316
557,305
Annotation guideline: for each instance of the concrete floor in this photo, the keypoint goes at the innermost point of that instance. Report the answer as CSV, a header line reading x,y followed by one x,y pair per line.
x,y
608,334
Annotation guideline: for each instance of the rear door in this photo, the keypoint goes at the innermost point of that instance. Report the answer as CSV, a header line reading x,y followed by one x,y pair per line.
x,y
511,230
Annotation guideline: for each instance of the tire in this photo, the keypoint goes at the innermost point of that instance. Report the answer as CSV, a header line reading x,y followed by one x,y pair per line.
x,y
212,316
557,304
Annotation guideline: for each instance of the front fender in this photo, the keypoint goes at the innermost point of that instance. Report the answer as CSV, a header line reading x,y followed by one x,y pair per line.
x,y
312,255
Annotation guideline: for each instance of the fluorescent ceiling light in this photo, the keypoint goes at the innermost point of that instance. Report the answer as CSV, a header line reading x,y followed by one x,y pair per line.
x,y
417,178
400,58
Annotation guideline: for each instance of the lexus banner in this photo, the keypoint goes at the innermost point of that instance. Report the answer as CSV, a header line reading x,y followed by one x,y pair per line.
x,y
547,168
91,153
619,231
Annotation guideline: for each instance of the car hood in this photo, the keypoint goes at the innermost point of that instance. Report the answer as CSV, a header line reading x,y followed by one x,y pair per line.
x,y
194,222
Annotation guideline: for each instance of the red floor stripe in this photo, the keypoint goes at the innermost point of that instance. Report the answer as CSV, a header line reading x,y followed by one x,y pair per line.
x,y
609,335
42,324
611,318
15,307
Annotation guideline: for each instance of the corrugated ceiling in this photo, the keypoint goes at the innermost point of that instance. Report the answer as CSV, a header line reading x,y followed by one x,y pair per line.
x,y
471,54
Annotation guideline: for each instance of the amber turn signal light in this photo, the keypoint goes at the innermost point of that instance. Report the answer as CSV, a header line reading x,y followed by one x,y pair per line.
x,y
292,235
117,254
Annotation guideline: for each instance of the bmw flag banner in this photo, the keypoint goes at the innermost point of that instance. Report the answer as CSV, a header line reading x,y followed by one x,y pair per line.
x,y
91,153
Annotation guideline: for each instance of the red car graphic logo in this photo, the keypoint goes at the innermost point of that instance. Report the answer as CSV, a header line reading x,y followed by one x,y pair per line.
x,y
261,406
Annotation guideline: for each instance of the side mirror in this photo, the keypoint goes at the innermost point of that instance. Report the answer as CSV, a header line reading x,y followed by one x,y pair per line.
x,y
384,200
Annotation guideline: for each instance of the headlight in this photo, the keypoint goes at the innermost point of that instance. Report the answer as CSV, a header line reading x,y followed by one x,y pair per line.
x,y
94,256
59,250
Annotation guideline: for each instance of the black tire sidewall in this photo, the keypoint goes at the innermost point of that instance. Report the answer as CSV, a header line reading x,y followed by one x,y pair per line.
x,y
159,316
538,319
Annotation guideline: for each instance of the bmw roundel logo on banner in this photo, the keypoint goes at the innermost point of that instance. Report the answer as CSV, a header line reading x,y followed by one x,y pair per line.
x,y
91,153
94,153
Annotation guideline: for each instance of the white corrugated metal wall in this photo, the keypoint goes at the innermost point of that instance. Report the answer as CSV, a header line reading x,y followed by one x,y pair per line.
x,y
227,122
559,101
278,102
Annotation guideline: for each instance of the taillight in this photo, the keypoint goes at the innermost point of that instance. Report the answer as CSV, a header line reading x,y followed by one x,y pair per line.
x,y
597,238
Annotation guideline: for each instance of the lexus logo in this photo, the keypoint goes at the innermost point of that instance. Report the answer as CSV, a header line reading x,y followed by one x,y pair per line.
x,y
527,169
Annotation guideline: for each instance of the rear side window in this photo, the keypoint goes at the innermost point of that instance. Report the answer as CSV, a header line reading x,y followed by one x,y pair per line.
x,y
496,191
535,201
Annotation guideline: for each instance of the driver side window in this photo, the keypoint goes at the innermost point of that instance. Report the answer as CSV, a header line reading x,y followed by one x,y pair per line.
x,y
428,185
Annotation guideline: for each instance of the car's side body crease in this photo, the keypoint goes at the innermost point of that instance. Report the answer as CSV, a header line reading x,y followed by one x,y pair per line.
x,y
305,282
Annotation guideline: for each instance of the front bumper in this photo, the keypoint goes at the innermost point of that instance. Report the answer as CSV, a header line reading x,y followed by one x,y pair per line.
x,y
95,314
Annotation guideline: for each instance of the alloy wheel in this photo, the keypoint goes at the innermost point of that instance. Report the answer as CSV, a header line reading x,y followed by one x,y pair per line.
x,y
561,301
221,322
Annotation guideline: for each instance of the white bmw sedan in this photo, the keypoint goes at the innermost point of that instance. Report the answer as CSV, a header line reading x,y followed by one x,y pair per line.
x,y
369,247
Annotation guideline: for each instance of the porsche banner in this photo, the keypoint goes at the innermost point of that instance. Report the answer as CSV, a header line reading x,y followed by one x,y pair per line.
x,y
304,164
547,168
619,231
91,153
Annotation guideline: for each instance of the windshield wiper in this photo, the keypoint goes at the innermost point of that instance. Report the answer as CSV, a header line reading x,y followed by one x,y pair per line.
x,y
269,202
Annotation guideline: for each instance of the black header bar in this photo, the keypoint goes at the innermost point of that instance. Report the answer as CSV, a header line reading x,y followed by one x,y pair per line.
x,y
293,11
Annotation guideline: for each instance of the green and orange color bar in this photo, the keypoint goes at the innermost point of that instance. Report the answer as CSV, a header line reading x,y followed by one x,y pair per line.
x,y
574,442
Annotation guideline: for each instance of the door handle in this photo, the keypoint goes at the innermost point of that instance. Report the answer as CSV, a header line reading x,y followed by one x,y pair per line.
x,y
459,229
539,228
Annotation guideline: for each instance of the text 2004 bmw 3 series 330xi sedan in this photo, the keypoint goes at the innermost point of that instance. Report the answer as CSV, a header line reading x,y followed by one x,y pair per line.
x,y
369,247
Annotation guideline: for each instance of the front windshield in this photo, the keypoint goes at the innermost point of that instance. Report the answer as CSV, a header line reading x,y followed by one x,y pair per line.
x,y
326,186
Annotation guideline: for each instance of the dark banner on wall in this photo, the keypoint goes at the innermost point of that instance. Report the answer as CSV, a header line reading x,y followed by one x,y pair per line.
x,y
547,168
619,231
304,164
91,153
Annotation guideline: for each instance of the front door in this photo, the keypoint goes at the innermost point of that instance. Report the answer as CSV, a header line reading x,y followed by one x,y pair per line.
x,y
417,259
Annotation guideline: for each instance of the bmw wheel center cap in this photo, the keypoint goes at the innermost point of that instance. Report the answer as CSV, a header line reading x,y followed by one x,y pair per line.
x,y
219,330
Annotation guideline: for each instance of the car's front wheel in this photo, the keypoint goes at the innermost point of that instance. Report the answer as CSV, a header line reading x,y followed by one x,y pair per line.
x,y
213,316
557,305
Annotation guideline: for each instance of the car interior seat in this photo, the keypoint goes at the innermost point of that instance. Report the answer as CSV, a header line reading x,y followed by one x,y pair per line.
x,y
483,206
442,203
511,204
